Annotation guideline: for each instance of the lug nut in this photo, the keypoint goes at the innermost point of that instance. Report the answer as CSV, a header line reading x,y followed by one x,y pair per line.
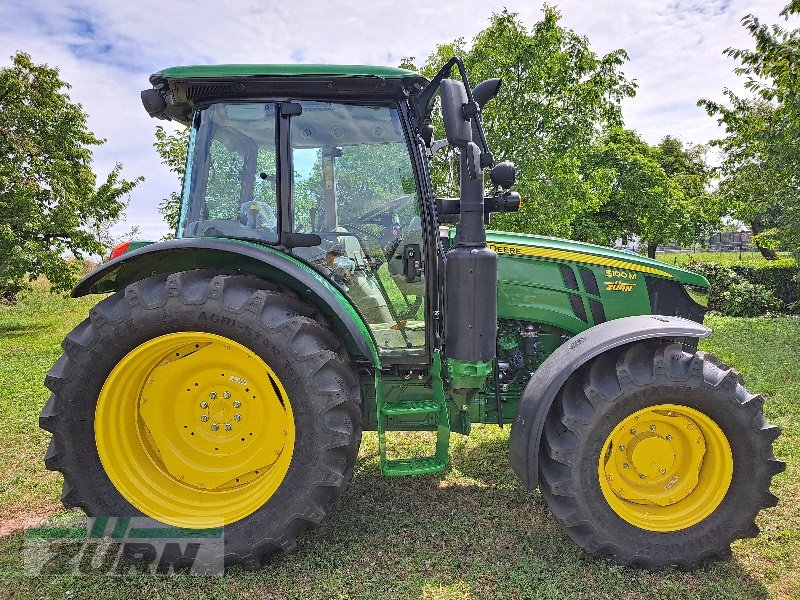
x,y
633,432
228,427
213,395
625,466
204,418
669,438
652,427
226,395
642,476
214,427
236,404
237,417
621,448
204,404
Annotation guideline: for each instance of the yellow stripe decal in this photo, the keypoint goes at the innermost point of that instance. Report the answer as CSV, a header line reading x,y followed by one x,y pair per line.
x,y
578,257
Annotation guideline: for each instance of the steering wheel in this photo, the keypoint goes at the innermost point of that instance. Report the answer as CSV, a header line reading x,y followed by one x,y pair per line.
x,y
389,207
365,219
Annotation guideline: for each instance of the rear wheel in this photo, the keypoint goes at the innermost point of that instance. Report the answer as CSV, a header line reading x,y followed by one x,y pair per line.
x,y
199,399
656,456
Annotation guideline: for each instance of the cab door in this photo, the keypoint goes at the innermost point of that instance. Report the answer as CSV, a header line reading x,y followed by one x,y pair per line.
x,y
353,185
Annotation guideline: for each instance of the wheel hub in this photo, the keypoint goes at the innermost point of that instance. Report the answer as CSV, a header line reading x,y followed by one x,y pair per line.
x,y
665,467
655,458
197,436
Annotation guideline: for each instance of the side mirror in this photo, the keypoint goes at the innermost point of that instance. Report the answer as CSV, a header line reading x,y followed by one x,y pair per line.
x,y
482,94
486,90
457,128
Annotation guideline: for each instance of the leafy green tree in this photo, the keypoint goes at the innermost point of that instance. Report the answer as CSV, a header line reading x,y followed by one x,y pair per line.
x,y
687,167
50,204
557,95
761,166
636,196
172,149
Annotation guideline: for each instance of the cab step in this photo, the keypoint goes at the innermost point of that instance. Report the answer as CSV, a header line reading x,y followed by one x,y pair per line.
x,y
437,408
391,409
414,466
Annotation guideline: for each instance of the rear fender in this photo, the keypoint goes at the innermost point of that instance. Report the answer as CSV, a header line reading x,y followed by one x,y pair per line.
x,y
184,254
526,431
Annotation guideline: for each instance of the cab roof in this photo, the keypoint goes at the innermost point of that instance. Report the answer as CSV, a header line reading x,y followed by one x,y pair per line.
x,y
184,88
282,70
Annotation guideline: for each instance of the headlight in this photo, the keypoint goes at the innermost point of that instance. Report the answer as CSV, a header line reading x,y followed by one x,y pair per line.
x,y
698,293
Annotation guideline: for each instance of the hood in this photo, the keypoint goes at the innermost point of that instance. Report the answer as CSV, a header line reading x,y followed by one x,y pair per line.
x,y
542,247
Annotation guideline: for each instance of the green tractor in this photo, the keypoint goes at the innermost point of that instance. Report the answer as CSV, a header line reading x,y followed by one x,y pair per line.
x,y
315,289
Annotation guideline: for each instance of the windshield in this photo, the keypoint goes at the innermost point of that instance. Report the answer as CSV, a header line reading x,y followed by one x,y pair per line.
x,y
232,189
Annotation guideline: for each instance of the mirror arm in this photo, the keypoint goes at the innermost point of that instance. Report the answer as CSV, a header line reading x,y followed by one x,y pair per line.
x,y
426,99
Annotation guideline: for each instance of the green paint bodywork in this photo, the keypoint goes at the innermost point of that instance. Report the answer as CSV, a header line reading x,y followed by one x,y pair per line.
x,y
540,241
215,259
532,288
468,375
286,70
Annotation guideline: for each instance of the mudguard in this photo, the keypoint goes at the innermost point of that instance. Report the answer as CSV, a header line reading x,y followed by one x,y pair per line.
x,y
229,255
526,431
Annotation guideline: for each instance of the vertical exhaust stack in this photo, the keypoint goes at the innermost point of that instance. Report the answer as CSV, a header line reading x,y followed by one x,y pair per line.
x,y
471,271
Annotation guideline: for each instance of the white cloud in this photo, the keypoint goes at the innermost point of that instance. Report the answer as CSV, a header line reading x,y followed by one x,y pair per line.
x,y
107,51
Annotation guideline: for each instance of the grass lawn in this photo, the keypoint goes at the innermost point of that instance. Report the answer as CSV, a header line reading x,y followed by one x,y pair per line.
x,y
472,532
729,259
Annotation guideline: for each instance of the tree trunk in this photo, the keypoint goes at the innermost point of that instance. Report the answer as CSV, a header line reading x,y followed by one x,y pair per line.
x,y
651,250
758,227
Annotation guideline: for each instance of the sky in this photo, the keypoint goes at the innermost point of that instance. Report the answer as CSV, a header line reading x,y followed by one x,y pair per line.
x,y
107,49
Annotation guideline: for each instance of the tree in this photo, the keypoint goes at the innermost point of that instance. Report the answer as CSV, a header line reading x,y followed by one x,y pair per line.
x,y
636,196
658,194
557,96
50,205
761,166
686,166
172,149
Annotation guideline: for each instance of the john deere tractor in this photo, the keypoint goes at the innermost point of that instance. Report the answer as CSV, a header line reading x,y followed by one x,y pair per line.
x,y
316,288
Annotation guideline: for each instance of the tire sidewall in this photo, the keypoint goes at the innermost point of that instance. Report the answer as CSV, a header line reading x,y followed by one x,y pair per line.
x,y
718,404
313,440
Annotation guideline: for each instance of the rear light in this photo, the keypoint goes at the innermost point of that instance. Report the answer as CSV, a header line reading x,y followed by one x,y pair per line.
x,y
119,250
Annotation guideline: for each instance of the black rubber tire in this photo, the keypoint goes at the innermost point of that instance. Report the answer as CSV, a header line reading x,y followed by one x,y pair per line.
x,y
597,397
286,332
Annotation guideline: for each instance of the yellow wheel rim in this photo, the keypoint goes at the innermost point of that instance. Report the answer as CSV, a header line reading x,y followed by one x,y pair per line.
x,y
194,429
665,468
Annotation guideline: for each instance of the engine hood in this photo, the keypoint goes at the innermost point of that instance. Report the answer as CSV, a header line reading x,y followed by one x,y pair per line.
x,y
548,248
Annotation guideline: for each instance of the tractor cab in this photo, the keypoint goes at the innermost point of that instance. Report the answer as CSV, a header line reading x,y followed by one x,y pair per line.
x,y
327,173
350,209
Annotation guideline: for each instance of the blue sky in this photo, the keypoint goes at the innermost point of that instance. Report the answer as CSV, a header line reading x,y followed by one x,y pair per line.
x,y
107,50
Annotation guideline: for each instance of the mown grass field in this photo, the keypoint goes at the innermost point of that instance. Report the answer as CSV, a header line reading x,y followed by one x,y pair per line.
x,y
472,532
729,259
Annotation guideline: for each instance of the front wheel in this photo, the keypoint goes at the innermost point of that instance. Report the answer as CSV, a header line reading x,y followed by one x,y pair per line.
x,y
656,456
200,399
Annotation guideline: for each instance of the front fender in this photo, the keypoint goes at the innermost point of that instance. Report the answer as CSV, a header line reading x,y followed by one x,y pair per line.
x,y
184,254
526,431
